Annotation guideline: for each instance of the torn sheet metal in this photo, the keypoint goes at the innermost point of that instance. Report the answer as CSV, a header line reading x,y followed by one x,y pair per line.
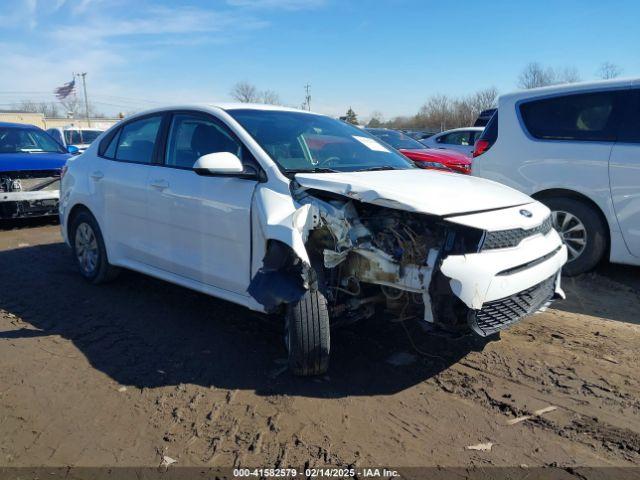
x,y
283,278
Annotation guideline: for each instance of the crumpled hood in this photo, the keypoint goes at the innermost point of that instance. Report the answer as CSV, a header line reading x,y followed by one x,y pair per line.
x,y
417,190
11,162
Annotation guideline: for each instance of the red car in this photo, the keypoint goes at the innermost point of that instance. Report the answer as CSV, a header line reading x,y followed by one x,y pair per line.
x,y
422,156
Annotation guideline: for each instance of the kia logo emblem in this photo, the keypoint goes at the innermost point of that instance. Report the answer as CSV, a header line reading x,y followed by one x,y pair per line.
x,y
526,213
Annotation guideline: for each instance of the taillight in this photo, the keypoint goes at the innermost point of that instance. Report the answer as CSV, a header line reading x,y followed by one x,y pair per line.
x,y
480,147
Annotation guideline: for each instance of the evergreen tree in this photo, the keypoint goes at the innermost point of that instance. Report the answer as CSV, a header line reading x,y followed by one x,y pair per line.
x,y
351,117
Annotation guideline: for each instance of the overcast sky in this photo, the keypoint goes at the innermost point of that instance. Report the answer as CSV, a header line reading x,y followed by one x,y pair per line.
x,y
371,55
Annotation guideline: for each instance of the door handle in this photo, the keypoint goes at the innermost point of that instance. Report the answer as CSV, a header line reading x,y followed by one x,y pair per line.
x,y
97,175
160,184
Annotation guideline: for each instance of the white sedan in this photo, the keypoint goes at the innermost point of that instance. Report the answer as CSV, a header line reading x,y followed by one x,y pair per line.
x,y
287,211
458,139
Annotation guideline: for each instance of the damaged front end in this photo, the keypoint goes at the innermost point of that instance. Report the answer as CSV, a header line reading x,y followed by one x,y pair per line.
x,y
368,258
29,193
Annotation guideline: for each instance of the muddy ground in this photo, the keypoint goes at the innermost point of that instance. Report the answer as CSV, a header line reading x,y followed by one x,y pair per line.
x,y
125,373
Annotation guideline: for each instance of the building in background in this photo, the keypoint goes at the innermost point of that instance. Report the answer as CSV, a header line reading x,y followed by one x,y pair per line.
x,y
39,120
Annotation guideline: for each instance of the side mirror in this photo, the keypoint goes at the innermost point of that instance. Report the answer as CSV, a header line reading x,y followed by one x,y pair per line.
x,y
73,150
218,163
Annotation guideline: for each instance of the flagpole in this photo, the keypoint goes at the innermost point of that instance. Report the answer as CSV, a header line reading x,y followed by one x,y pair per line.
x,y
86,100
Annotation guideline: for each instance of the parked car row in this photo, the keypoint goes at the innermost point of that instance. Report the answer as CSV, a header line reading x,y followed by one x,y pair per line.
x,y
422,156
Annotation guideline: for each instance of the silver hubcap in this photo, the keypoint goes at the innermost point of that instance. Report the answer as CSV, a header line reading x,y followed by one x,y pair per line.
x,y
86,248
572,231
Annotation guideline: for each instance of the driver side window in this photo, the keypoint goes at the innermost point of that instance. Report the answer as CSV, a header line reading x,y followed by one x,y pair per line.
x,y
191,136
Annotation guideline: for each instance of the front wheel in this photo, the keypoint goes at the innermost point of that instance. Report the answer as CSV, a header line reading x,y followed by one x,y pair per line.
x,y
582,231
307,334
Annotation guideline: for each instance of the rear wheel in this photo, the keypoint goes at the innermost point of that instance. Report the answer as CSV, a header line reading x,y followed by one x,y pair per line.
x,y
307,334
89,250
582,230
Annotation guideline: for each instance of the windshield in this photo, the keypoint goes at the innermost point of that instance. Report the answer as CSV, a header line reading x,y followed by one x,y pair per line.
x,y
27,140
76,137
303,142
397,139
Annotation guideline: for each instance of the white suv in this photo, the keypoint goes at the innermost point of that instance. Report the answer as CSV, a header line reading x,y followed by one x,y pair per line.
x,y
576,148
287,211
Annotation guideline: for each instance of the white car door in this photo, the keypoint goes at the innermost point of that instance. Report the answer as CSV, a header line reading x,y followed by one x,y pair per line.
x,y
624,177
200,225
124,185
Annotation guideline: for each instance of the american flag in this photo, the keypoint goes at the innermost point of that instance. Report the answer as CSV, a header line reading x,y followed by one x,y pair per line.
x,y
65,90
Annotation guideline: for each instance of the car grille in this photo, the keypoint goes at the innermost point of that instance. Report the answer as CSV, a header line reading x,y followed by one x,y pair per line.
x,y
499,314
513,237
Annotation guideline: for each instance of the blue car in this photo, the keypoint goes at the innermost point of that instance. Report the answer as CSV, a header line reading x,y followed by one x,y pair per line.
x,y
31,163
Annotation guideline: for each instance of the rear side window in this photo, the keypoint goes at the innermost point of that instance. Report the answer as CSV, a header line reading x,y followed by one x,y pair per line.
x,y
456,138
490,132
583,117
56,135
137,140
630,123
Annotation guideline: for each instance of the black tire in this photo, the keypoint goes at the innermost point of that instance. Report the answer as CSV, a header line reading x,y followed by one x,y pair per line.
x,y
596,233
307,334
103,271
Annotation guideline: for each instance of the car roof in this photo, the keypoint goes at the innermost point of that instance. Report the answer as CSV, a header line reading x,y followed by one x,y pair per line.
x,y
17,125
462,129
572,87
91,129
219,106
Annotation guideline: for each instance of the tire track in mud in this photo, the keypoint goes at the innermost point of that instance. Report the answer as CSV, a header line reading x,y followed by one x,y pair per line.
x,y
509,386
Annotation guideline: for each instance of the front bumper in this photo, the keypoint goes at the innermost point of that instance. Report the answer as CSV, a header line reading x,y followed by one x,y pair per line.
x,y
501,286
29,204
500,314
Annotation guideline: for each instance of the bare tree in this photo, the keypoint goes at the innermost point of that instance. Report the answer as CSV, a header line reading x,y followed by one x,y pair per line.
x,y
566,75
71,106
244,92
608,70
441,112
376,119
484,99
534,75
48,109
270,97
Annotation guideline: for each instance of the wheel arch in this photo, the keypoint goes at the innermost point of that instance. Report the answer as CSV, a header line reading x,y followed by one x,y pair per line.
x,y
77,208
566,193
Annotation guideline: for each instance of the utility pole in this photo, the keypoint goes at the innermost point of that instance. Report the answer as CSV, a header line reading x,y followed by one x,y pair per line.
x,y
86,100
307,96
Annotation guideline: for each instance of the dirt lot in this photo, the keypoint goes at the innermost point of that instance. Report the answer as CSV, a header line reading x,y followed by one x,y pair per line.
x,y
124,373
